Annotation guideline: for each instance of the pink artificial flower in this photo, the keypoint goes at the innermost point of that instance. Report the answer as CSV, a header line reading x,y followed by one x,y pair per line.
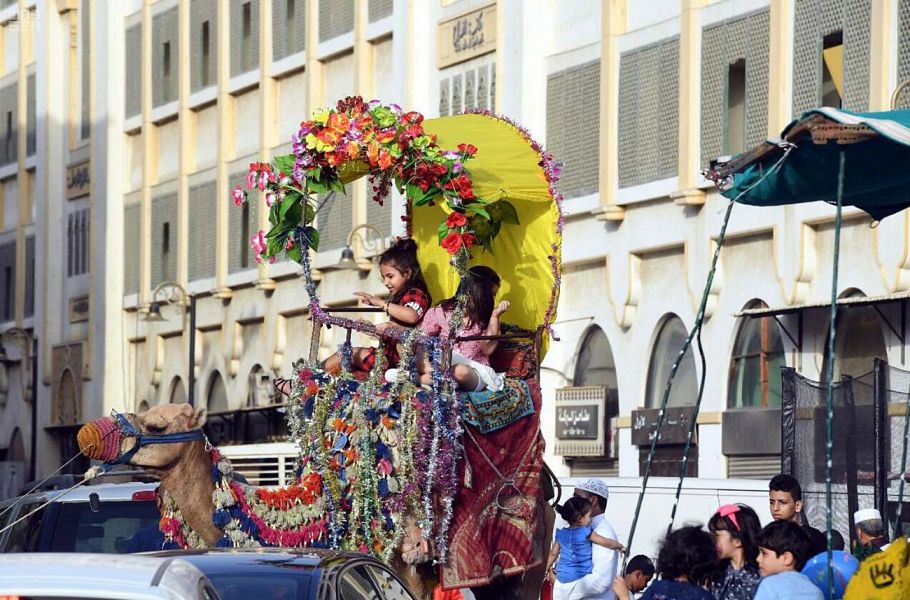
x,y
239,196
269,199
251,176
290,244
263,180
384,466
257,243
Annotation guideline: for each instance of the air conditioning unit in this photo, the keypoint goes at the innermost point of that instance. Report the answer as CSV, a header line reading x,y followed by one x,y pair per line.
x,y
586,422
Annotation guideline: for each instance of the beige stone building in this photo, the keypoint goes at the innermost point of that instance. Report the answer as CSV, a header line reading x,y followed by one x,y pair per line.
x,y
123,126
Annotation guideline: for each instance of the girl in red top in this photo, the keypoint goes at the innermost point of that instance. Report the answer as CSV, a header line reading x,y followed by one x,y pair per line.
x,y
408,301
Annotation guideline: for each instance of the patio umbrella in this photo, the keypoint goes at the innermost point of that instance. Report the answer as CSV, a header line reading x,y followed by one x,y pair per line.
x,y
876,149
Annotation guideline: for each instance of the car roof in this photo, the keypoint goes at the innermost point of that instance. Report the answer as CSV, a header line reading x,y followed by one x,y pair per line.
x,y
218,561
105,491
42,573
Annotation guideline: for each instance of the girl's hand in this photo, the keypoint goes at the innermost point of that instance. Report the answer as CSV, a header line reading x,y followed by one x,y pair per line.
x,y
501,308
369,299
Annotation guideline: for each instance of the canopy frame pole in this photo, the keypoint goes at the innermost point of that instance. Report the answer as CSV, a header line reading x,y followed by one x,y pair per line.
x,y
829,375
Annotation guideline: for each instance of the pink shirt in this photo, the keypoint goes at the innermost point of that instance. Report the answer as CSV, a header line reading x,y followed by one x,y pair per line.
x,y
436,322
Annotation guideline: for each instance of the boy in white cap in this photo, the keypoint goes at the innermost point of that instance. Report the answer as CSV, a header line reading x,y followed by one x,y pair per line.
x,y
596,585
870,532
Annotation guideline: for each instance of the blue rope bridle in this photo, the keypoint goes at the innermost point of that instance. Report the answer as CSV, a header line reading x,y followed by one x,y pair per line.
x,y
141,440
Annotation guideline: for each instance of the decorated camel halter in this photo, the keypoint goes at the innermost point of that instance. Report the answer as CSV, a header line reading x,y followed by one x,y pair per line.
x,y
108,433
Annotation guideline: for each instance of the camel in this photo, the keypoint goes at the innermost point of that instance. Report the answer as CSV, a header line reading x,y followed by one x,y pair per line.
x,y
185,469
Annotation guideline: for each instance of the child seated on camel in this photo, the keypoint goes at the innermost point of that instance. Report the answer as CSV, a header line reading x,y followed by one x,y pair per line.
x,y
408,301
470,359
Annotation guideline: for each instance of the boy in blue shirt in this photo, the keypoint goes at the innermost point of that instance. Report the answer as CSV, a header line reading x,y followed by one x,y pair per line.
x,y
783,550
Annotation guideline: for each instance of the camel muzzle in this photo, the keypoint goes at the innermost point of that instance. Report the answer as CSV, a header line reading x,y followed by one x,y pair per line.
x,y
100,439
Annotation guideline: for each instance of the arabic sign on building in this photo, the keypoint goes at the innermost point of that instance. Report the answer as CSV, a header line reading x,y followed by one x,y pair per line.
x,y
467,36
77,181
674,429
577,422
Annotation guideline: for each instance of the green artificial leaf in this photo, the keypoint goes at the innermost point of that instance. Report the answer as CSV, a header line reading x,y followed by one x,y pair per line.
x,y
443,230
504,211
317,187
480,211
313,234
289,202
310,212
294,254
285,163
483,229
337,185
275,245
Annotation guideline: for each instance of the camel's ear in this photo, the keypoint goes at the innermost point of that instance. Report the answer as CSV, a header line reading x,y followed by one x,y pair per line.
x,y
200,417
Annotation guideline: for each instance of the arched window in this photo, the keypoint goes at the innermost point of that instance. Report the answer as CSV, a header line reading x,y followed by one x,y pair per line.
x,y
16,447
68,412
595,364
260,390
859,341
216,398
177,394
143,406
758,355
669,342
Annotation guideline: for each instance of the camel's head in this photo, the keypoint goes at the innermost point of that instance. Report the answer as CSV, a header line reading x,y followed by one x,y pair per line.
x,y
154,439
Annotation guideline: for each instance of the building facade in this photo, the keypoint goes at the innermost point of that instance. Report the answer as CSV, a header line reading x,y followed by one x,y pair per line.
x,y
127,124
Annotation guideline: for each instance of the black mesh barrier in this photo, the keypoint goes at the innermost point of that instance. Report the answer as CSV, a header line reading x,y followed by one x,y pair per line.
x,y
897,392
804,435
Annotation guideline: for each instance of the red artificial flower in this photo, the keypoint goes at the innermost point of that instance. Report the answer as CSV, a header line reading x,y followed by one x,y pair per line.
x,y
456,219
462,185
467,149
412,118
455,241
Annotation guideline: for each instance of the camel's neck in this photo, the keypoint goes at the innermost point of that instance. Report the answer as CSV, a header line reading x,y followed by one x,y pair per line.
x,y
189,483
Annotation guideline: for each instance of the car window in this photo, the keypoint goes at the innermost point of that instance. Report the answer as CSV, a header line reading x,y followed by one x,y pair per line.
x,y
279,586
25,535
356,583
388,584
109,530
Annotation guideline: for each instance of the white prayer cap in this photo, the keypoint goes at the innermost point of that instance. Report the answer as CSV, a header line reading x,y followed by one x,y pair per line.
x,y
866,514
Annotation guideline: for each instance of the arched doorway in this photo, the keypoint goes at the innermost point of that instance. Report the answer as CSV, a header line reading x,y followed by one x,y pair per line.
x,y
68,412
216,396
16,447
177,393
595,364
669,341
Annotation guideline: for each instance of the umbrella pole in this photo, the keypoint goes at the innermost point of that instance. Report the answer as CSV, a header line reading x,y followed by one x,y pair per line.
x,y
832,332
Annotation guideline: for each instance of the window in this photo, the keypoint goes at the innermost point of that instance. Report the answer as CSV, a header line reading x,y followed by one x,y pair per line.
x,y
734,141
858,342
245,237
166,70
595,364
669,342
165,250
217,394
10,140
833,70
246,38
77,235
206,53
289,28
8,284
177,394
757,358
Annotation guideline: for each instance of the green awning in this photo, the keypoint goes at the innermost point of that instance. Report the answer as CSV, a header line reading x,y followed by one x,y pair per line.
x,y
877,171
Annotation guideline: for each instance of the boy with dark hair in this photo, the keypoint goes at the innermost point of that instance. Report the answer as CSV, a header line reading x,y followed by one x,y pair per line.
x,y
783,550
638,573
785,499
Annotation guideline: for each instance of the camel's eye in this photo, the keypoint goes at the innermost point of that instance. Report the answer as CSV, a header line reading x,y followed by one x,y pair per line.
x,y
155,428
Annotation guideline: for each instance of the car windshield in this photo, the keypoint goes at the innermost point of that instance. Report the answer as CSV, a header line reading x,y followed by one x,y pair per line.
x,y
79,529
262,585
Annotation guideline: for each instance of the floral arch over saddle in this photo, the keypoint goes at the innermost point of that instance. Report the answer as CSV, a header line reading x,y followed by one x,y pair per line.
x,y
373,452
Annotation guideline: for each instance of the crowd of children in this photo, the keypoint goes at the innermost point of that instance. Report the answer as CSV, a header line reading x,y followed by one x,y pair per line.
x,y
734,559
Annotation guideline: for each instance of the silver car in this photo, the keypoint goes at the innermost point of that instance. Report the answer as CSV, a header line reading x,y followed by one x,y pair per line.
x,y
52,576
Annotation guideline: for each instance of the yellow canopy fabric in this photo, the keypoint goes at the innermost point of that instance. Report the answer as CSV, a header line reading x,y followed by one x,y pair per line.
x,y
506,167
882,576
834,60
